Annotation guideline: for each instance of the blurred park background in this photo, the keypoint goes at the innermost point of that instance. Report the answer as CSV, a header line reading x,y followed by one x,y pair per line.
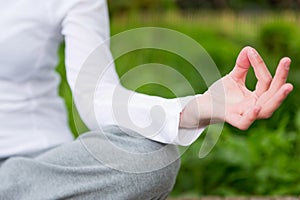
x,y
265,160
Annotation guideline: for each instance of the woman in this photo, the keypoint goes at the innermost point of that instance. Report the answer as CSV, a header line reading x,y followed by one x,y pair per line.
x,y
40,160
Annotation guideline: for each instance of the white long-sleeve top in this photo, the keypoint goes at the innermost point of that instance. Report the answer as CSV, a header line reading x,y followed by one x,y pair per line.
x,y
32,115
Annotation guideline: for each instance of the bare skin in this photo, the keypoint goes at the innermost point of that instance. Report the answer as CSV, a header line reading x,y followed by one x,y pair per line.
x,y
229,100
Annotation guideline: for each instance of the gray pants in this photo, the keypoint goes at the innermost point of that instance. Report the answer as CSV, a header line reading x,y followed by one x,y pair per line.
x,y
98,165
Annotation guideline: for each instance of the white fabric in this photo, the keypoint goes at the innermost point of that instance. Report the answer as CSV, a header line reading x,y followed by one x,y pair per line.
x,y
32,115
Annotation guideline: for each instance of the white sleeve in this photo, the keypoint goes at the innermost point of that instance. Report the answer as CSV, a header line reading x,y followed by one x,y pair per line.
x,y
98,94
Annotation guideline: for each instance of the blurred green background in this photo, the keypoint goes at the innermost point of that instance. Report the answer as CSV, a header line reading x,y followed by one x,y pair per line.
x,y
265,159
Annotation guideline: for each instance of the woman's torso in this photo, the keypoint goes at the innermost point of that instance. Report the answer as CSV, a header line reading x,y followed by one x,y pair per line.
x,y
32,115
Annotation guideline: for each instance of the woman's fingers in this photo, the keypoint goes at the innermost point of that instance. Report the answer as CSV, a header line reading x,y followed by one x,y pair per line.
x,y
280,75
261,71
274,102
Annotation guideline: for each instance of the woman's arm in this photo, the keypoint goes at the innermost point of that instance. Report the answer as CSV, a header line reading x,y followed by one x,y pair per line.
x,y
100,98
102,101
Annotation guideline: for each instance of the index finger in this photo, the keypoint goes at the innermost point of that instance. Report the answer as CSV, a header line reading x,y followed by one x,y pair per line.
x,y
242,66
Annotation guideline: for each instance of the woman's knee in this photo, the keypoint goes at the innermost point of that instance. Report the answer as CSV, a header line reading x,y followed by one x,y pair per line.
x,y
163,180
156,184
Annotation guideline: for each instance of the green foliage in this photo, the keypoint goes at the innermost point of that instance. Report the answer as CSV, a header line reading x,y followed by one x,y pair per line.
x,y
263,162
280,38
76,124
243,4
121,6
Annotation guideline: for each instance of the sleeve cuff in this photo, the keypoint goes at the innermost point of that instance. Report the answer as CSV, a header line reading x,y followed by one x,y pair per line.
x,y
171,133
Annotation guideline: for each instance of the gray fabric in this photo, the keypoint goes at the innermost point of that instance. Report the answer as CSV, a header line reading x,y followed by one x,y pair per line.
x,y
78,170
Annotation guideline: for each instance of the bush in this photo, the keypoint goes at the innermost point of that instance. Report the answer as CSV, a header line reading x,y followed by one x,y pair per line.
x,y
120,6
263,162
280,38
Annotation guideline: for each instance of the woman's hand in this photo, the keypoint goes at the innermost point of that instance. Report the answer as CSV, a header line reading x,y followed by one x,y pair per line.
x,y
229,100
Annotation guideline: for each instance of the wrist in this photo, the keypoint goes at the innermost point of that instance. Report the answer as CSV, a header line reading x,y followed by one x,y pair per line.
x,y
201,111
197,113
205,106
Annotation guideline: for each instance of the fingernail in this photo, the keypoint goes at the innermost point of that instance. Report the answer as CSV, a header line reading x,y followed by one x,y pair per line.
x,y
287,64
287,92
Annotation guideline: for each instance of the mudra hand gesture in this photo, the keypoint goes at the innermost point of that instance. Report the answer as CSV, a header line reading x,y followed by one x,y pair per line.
x,y
229,100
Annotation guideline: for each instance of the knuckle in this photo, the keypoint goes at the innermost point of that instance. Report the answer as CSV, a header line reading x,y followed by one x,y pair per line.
x,y
284,77
260,61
